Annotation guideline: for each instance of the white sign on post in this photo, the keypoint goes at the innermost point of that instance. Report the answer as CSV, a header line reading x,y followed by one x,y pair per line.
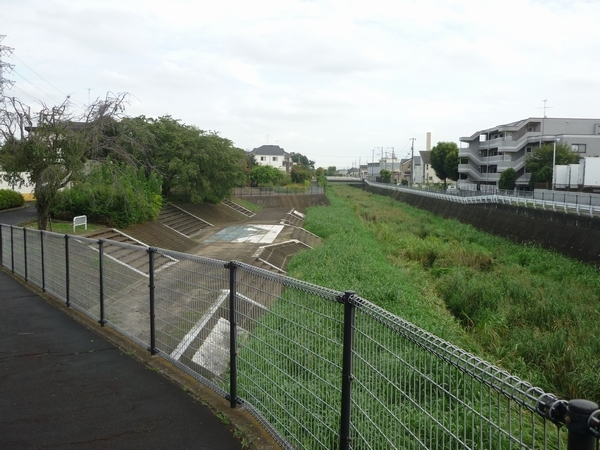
x,y
79,220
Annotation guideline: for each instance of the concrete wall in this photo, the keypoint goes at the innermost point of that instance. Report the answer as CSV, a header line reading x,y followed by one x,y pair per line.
x,y
574,236
299,202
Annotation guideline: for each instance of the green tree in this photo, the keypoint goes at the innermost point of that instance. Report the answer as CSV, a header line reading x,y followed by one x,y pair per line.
x,y
266,175
53,148
539,162
331,171
385,175
302,160
444,161
320,172
300,174
199,166
508,179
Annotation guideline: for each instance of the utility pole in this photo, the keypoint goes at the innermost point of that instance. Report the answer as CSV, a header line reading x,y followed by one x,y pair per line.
x,y
373,164
393,157
412,161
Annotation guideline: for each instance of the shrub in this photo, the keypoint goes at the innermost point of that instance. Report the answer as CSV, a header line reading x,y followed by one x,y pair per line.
x,y
112,195
10,199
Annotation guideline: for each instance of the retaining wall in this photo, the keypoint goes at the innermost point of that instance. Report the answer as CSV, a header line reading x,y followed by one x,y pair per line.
x,y
299,202
574,236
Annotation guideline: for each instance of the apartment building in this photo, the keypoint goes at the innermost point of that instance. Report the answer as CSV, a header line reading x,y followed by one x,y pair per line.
x,y
487,153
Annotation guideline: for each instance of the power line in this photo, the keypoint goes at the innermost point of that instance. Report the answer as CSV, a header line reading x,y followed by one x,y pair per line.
x,y
35,86
39,76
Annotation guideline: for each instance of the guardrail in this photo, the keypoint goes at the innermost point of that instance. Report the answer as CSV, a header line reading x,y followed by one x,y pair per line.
x,y
566,202
317,367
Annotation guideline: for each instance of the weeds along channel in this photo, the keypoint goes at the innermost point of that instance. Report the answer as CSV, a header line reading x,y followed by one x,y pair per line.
x,y
526,309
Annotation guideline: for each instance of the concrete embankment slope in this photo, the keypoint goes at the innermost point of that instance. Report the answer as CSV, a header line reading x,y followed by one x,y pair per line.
x,y
573,236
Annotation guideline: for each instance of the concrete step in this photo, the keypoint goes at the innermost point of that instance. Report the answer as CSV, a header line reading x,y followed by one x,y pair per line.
x,y
239,208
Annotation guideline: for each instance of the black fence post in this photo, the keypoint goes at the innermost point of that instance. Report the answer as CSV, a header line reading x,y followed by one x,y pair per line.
x,y
25,251
101,263
577,418
151,286
43,263
67,276
12,251
347,378
232,335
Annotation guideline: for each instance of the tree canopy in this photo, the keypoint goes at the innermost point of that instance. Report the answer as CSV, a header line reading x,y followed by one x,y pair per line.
x,y
444,160
51,149
199,166
508,179
266,175
302,160
539,161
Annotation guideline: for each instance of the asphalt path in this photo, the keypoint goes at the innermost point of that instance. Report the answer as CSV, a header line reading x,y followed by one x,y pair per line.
x,y
18,215
64,386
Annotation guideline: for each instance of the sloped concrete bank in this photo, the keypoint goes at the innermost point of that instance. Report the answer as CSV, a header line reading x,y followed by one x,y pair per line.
x,y
574,236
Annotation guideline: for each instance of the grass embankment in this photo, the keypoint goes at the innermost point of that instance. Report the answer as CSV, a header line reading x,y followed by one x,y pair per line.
x,y
66,227
529,310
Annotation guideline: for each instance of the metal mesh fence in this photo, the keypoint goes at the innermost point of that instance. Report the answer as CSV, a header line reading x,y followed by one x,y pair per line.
x,y
34,256
18,249
410,389
415,391
289,355
54,264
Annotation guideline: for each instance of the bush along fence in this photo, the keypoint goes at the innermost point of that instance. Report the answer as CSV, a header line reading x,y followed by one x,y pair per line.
x,y
319,368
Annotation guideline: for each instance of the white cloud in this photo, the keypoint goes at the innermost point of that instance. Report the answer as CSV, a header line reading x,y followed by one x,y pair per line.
x,y
327,78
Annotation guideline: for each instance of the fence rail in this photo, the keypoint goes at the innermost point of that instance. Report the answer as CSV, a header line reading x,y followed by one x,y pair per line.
x,y
566,202
276,190
317,367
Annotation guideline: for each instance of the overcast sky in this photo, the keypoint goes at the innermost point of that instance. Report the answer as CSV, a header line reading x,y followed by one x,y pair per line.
x,y
332,80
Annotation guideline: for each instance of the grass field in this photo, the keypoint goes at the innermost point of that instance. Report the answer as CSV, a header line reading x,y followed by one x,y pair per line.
x,y
528,310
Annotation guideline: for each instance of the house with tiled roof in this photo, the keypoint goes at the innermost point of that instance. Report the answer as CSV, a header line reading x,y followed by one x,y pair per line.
x,y
272,155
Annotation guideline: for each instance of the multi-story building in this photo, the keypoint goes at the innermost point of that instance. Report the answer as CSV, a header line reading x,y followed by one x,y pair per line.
x,y
272,155
489,152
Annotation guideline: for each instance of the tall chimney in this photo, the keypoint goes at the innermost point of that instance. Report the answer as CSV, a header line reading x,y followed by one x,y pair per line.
x,y
428,147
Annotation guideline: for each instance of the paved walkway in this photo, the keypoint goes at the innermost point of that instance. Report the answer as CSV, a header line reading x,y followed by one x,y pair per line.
x,y
64,386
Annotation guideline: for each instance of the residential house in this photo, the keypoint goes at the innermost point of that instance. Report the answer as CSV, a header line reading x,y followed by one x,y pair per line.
x,y
274,156
489,152
428,174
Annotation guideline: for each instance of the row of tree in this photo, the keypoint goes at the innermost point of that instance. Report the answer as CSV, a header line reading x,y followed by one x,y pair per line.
x,y
57,147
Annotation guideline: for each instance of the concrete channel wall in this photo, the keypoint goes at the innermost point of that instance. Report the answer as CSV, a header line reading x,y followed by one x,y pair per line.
x,y
574,236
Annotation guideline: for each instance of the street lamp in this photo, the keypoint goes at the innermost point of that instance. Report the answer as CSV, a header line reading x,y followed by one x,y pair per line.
x,y
554,163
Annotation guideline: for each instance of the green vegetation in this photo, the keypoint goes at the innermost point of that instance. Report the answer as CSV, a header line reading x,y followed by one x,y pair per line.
x,y
508,179
65,227
529,310
444,160
266,175
386,175
539,162
195,165
246,204
135,199
10,199
58,149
